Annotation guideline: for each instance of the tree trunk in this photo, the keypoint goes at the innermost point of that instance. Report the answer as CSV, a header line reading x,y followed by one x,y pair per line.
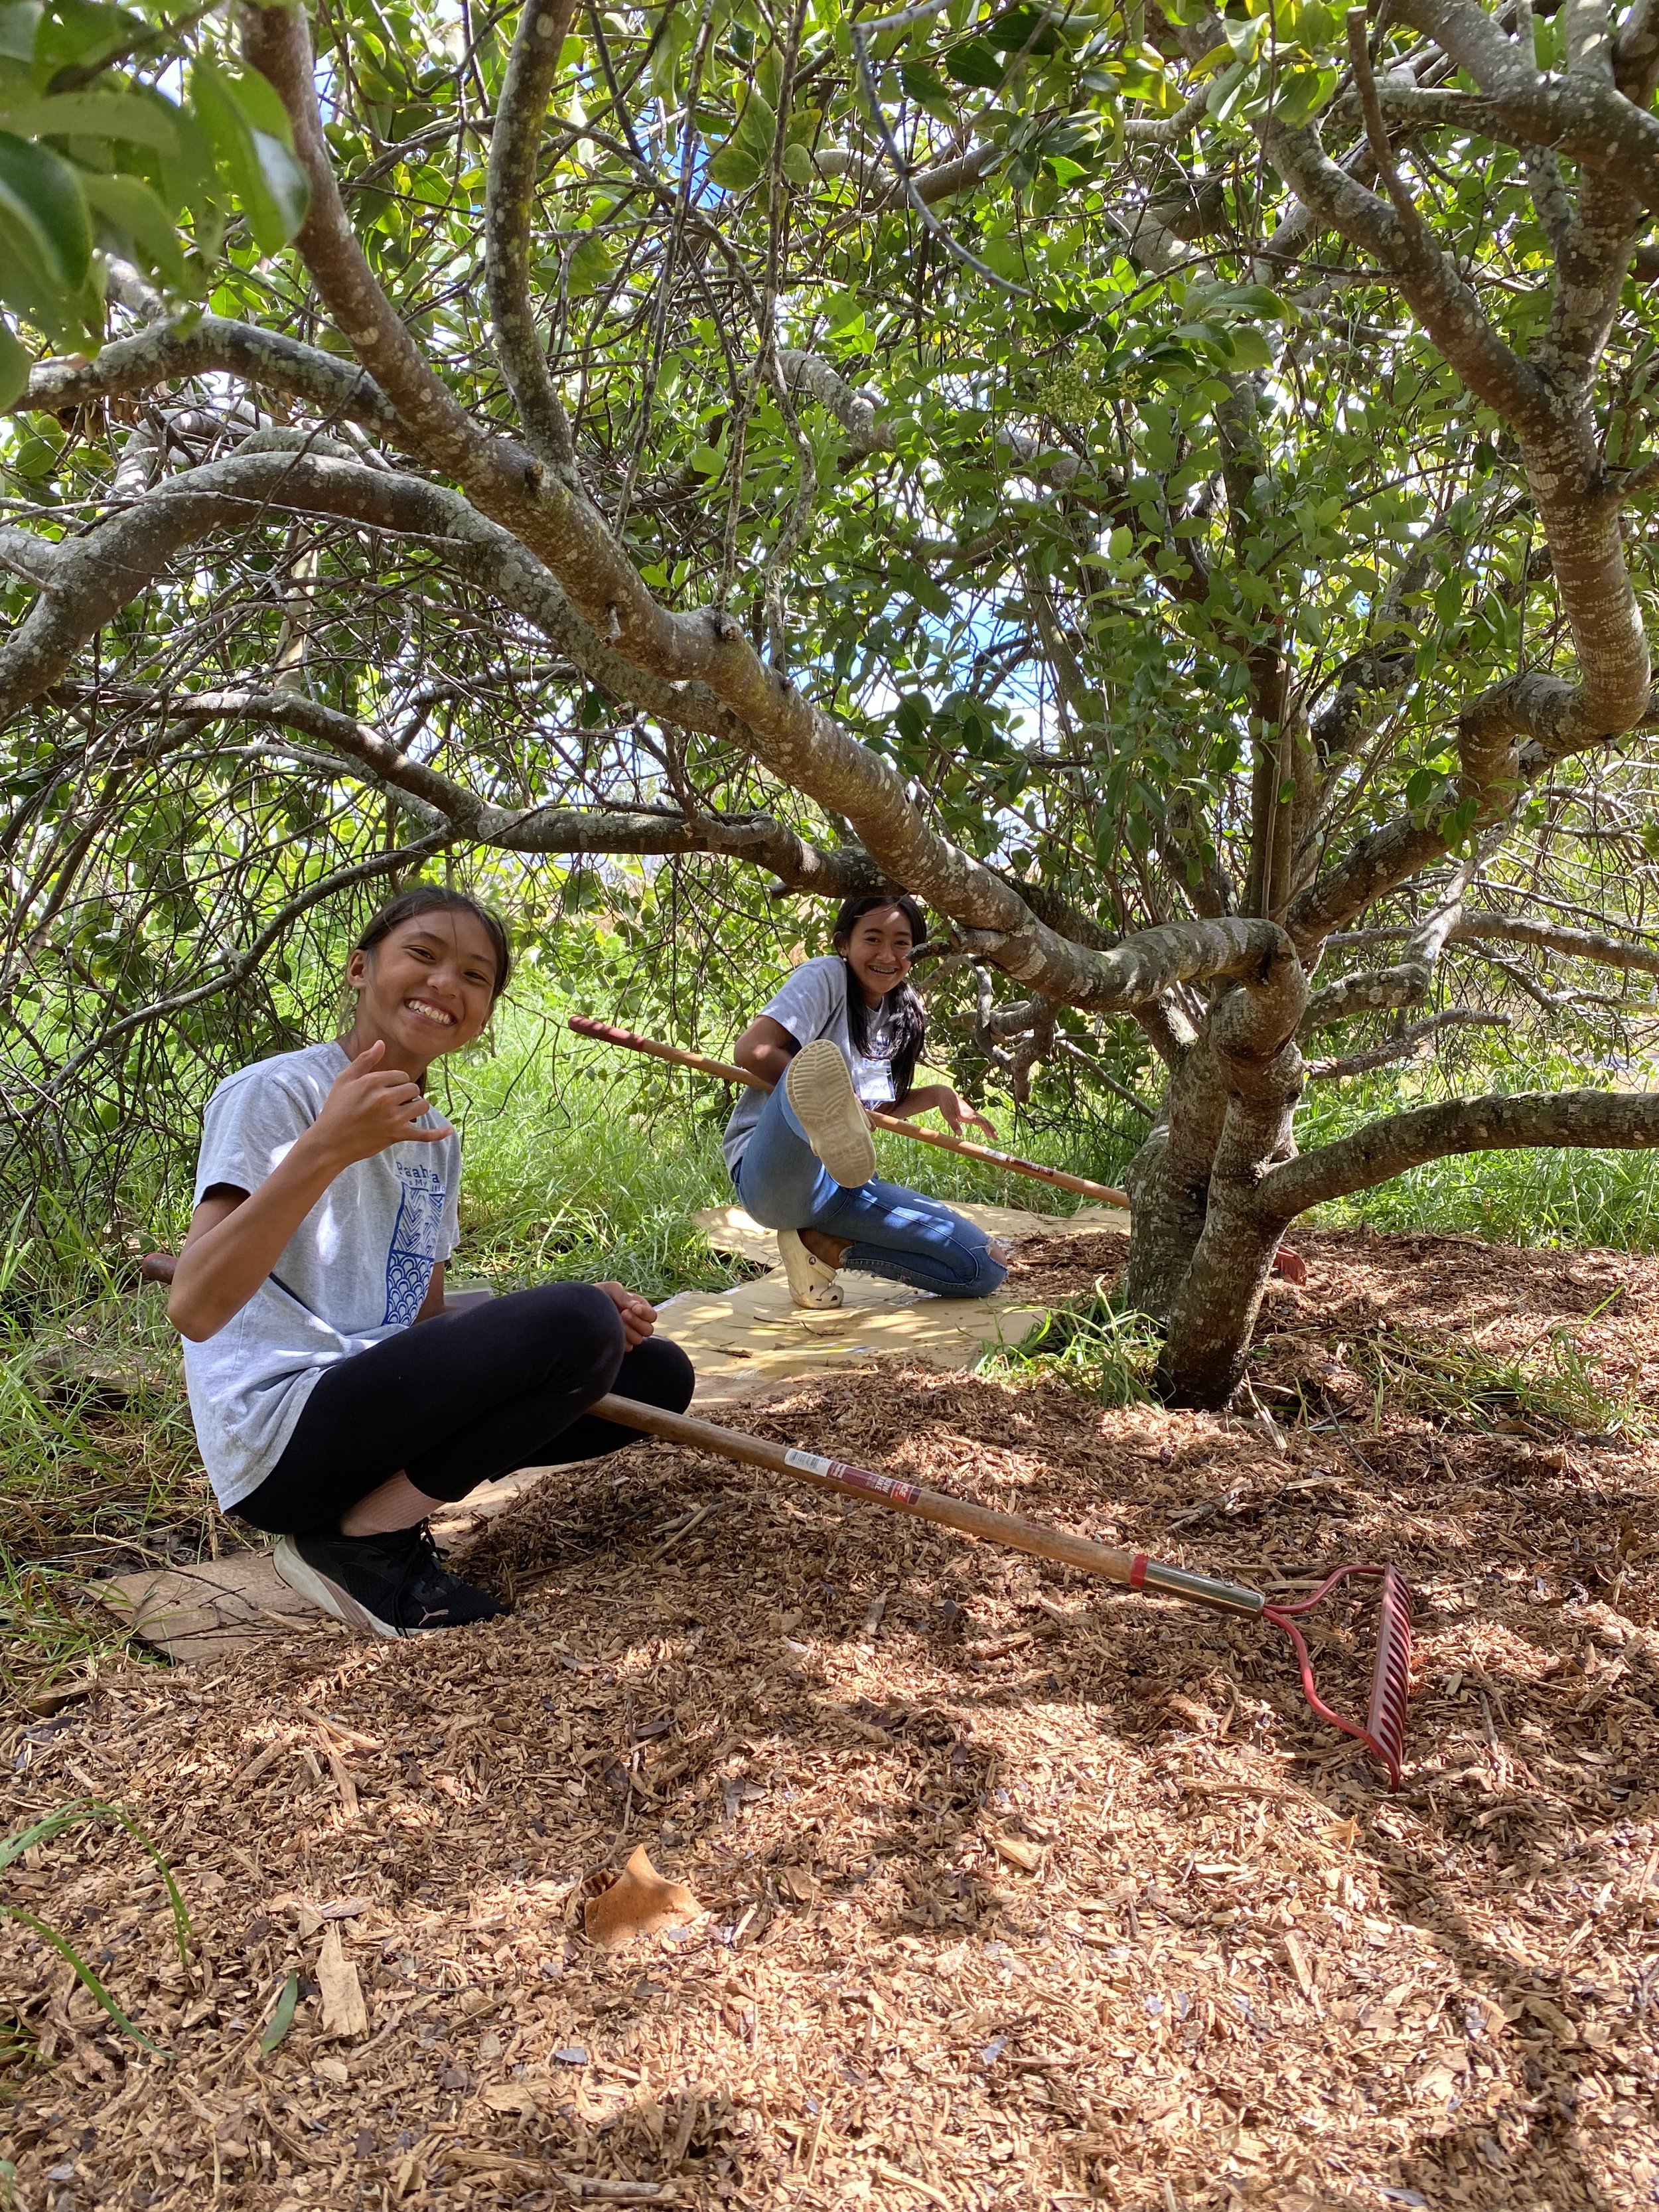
x,y
1169,1184
1213,1313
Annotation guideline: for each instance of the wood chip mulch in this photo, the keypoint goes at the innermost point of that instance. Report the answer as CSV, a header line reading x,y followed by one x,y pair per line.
x,y
1020,1891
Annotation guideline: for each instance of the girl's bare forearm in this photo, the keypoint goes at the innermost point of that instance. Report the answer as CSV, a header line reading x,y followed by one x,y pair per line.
x,y
912,1103
769,1061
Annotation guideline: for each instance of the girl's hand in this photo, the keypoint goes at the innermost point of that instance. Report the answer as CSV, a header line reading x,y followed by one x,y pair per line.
x,y
369,1107
639,1318
960,1116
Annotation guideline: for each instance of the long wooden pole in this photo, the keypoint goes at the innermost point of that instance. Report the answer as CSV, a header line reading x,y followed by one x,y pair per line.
x,y
728,1072
1132,1569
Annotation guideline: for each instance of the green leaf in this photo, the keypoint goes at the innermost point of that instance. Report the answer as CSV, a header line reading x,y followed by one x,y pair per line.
x,y
1020,31
1301,92
14,365
923,83
267,182
132,210
798,165
282,2020
708,460
1449,598
733,169
757,129
769,77
95,115
261,104
79,34
1250,349
911,718
974,62
18,25
1316,26
1218,58
590,265
1248,38
38,189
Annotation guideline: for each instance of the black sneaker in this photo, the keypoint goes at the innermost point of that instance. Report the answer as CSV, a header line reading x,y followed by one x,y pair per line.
x,y
390,1585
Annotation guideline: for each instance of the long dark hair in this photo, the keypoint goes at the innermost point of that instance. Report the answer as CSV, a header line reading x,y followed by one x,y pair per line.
x,y
435,898
901,1012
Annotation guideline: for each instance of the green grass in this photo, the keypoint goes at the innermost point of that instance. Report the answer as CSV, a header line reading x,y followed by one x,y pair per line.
x,y
1549,1390
1092,1345
1576,1199
584,1160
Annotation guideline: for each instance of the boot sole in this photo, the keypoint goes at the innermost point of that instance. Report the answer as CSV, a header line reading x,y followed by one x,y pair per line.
x,y
821,1091
329,1596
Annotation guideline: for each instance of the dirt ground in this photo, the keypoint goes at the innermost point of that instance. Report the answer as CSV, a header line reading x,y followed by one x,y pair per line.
x,y
1020,1891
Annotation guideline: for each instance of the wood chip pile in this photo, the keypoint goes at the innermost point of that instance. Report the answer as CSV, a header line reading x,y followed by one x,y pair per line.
x,y
1019,1892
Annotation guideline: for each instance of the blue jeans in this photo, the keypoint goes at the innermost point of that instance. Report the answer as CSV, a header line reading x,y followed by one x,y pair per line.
x,y
894,1233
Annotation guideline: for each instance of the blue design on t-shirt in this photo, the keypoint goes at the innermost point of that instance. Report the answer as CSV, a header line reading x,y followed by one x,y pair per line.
x,y
413,1251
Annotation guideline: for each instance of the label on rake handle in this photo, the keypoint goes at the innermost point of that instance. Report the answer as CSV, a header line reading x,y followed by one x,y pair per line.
x,y
855,1478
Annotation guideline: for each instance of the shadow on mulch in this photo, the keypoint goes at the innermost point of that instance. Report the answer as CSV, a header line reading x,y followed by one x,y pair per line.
x,y
1020,1889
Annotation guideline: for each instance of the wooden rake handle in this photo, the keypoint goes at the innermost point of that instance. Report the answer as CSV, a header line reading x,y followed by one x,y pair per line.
x,y
728,1072
1134,1569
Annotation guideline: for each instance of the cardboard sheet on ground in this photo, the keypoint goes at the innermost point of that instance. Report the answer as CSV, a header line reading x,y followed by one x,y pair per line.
x,y
743,1338
742,1341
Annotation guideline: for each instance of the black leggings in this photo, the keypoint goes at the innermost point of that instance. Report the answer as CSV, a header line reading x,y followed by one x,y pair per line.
x,y
459,1401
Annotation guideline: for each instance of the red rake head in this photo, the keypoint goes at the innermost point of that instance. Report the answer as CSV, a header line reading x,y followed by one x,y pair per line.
x,y
1384,1733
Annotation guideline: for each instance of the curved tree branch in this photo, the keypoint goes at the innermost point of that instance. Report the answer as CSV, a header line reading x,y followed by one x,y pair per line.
x,y
1482,927
1581,1119
1405,1046
757,839
88,578
509,208
1578,114
211,344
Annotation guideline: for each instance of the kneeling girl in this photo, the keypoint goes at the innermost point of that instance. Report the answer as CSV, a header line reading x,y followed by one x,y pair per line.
x,y
844,1034
335,1403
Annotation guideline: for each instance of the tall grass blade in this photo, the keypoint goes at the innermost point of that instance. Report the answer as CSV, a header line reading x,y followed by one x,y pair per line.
x,y
83,1972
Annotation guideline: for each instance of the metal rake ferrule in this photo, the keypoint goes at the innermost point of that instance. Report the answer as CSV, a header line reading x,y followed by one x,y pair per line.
x,y
1384,1732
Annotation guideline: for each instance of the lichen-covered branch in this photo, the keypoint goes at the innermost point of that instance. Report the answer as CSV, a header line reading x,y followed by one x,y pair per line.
x,y
509,209
1405,1046
758,840
1575,1119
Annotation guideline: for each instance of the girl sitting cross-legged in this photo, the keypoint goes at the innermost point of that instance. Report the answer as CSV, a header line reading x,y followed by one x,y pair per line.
x,y
335,1403
845,1033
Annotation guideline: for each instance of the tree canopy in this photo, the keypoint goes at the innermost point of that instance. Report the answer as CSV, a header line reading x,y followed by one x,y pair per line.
x,y
1165,486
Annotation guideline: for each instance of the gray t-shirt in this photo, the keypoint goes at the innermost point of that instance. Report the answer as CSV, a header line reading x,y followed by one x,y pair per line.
x,y
354,1273
813,1004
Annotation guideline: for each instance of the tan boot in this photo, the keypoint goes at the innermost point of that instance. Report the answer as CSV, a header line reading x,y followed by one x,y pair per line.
x,y
811,1282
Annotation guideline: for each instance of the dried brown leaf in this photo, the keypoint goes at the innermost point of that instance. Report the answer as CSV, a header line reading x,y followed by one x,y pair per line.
x,y
638,1902
344,2013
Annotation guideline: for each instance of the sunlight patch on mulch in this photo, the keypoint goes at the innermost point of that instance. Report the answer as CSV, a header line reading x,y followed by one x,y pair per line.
x,y
1020,1891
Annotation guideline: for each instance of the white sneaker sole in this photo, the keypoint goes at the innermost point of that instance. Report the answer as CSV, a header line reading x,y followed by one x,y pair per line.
x,y
811,1283
827,1106
329,1596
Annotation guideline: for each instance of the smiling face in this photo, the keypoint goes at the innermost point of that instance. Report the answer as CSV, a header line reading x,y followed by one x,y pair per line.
x,y
426,988
879,950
